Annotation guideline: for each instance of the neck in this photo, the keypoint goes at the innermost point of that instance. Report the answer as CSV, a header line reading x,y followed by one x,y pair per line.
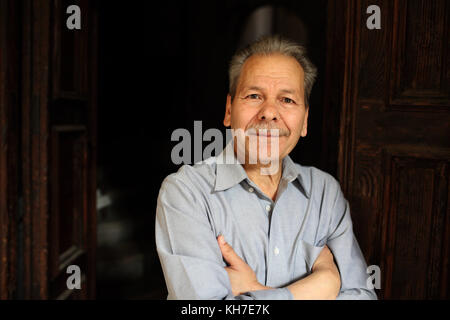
x,y
268,183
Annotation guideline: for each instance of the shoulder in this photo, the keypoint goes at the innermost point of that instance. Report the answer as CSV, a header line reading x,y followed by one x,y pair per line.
x,y
325,193
193,177
318,182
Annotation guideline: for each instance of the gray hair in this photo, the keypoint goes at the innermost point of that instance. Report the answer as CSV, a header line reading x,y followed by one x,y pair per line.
x,y
273,45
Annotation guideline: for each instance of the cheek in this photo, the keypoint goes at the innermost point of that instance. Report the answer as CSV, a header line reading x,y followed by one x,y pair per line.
x,y
294,122
241,116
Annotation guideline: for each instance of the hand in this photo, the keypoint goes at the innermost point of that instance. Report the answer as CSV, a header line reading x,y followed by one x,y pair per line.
x,y
242,277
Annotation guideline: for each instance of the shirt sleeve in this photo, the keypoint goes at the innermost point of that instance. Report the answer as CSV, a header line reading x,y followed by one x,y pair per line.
x,y
347,253
271,294
190,256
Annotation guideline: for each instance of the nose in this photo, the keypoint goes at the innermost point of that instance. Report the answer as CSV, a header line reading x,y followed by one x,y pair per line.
x,y
268,112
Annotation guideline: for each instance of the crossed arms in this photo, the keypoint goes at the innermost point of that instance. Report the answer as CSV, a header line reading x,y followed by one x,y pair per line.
x,y
193,264
323,283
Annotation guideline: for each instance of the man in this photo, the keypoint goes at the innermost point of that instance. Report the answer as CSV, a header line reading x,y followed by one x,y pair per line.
x,y
234,231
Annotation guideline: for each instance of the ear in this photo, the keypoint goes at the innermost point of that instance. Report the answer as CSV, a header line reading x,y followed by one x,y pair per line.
x,y
227,118
305,124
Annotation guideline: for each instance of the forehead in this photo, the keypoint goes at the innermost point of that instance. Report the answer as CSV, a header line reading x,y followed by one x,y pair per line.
x,y
275,69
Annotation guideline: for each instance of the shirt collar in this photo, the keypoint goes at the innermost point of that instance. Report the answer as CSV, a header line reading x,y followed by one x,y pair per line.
x,y
229,171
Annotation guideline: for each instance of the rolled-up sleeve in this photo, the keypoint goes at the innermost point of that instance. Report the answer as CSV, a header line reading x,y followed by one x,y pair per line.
x,y
347,253
271,294
190,257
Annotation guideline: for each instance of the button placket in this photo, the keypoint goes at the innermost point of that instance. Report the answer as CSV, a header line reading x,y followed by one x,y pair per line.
x,y
273,250
276,251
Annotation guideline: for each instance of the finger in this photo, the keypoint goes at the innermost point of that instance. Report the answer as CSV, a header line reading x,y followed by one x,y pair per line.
x,y
228,253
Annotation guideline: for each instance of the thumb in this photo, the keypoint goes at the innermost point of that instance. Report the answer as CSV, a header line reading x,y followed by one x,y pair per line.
x,y
228,253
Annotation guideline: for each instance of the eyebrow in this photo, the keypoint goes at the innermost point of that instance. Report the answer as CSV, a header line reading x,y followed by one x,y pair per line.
x,y
261,89
254,88
288,91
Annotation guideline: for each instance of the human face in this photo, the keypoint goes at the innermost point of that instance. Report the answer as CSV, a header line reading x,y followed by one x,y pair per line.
x,y
270,95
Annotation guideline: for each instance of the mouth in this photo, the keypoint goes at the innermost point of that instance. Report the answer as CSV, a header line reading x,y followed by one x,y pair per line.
x,y
264,133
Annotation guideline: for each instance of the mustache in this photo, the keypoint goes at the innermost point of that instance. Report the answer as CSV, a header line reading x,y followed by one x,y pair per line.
x,y
267,127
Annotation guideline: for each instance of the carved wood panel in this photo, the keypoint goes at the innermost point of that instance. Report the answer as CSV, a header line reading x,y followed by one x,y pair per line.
x,y
415,215
72,115
393,163
420,54
58,109
372,64
70,52
69,215
365,200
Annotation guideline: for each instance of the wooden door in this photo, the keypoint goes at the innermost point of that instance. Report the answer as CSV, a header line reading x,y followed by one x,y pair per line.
x,y
72,150
394,146
9,144
51,215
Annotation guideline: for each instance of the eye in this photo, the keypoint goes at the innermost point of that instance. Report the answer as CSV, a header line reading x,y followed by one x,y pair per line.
x,y
288,100
253,96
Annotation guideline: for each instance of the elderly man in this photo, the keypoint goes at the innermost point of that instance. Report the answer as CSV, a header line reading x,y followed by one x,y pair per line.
x,y
234,231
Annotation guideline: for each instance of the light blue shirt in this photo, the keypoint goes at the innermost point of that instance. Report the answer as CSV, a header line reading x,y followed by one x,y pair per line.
x,y
279,240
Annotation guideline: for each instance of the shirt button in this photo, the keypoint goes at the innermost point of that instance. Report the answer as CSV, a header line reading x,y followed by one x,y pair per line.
x,y
268,207
276,251
251,189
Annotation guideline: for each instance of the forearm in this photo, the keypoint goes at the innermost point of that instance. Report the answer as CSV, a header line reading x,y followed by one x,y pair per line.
x,y
264,293
322,284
